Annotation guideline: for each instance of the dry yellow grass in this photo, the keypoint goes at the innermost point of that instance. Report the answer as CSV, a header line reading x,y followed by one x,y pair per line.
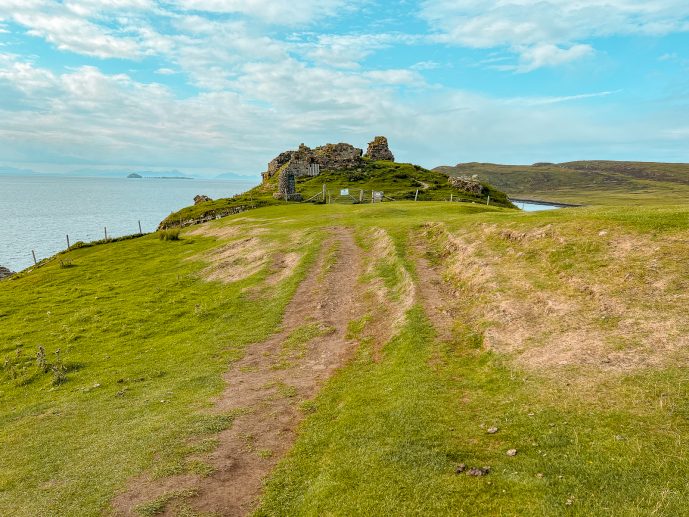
x,y
580,299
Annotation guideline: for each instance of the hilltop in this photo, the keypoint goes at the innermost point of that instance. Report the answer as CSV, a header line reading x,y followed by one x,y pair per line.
x,y
586,182
342,173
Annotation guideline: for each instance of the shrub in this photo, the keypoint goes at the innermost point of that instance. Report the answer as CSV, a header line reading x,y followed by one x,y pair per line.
x,y
171,234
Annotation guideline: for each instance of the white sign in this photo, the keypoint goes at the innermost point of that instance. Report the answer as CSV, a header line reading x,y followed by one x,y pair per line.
x,y
378,196
344,192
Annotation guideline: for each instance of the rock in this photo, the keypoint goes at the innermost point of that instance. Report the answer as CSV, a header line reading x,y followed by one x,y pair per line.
x,y
134,175
338,156
467,184
460,468
492,430
276,163
302,161
201,199
379,150
479,472
512,452
5,273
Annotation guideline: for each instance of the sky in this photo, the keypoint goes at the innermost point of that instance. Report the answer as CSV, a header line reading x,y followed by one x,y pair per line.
x,y
214,86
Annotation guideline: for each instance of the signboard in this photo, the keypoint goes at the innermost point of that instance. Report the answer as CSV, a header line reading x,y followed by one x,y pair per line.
x,y
377,196
344,192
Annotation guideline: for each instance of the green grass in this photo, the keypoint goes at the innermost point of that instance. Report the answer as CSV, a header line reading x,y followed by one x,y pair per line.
x,y
399,181
142,363
586,182
387,438
141,366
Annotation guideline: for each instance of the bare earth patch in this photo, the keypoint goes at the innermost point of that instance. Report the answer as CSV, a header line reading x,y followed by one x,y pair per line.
x,y
533,298
236,260
265,390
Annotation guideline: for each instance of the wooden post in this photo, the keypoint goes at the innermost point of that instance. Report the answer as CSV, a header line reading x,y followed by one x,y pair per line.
x,y
451,196
105,228
416,196
35,262
140,232
488,202
323,192
361,196
67,241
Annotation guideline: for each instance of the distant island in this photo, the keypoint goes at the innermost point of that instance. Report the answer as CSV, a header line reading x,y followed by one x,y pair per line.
x,y
135,175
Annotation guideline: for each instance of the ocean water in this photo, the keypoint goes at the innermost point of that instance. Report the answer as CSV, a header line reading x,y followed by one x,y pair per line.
x,y
37,212
533,207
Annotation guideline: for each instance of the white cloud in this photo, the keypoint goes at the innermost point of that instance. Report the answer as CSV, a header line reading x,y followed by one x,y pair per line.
x,y
292,13
548,55
549,32
166,71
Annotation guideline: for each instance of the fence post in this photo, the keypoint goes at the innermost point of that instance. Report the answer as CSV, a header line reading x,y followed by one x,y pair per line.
x,y
35,262
416,196
451,196
105,228
67,241
140,232
488,202
361,196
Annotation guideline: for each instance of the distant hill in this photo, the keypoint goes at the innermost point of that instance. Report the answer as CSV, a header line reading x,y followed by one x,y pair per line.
x,y
15,171
594,182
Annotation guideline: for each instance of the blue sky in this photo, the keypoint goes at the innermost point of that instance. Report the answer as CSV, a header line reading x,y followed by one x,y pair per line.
x,y
210,86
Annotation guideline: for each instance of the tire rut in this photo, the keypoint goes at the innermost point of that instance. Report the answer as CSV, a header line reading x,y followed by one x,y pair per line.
x,y
265,389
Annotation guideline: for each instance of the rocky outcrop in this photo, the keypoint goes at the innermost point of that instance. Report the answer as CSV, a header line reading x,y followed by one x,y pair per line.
x,y
302,162
201,199
466,184
5,273
379,150
338,156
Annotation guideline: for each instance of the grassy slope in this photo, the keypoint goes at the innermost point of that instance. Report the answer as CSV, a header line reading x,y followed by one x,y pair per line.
x,y
144,340
586,182
385,435
399,181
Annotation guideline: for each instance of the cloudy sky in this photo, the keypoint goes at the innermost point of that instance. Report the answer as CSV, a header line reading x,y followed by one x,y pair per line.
x,y
211,86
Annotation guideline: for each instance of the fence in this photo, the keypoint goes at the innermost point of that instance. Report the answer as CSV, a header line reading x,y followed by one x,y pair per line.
x,y
106,238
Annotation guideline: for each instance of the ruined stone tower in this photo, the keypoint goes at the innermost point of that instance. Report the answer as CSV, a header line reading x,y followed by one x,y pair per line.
x,y
379,150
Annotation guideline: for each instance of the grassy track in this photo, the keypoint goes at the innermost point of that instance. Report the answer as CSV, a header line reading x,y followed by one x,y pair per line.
x,y
591,389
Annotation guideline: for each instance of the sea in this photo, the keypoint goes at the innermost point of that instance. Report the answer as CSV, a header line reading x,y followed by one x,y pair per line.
x,y
37,212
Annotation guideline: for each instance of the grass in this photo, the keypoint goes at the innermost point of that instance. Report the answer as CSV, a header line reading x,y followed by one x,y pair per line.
x,y
399,181
141,365
586,182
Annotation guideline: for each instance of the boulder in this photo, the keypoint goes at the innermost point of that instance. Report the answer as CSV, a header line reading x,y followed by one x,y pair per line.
x,y
471,185
379,150
201,199
5,273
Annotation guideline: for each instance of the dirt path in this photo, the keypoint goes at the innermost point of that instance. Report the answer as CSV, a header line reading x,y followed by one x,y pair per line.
x,y
266,388
434,293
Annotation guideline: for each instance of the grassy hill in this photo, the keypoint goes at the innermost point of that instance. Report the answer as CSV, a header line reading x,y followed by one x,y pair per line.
x,y
398,181
585,182
564,330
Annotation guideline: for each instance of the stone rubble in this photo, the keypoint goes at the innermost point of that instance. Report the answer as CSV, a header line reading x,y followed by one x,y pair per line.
x,y
5,273
201,199
379,150
327,157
